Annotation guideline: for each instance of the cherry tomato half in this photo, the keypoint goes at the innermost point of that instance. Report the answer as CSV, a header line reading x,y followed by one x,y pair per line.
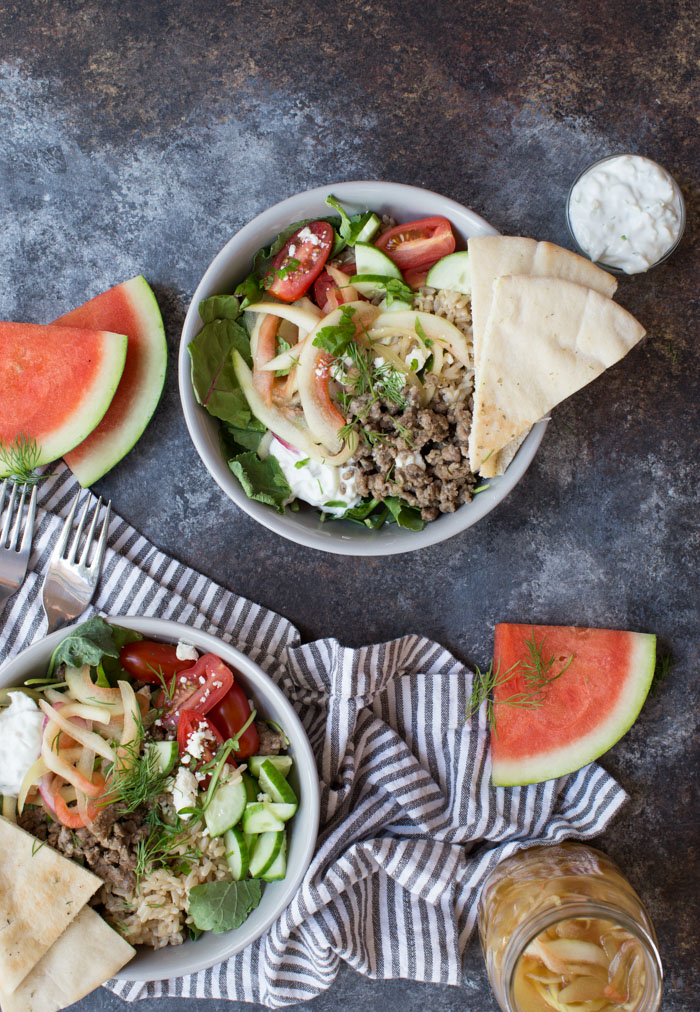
x,y
191,722
328,294
151,662
230,714
300,261
417,242
198,688
415,276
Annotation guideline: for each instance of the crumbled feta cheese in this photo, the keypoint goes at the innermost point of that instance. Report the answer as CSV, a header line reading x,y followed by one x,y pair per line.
x,y
186,759
406,458
186,652
264,797
195,742
416,358
306,235
217,684
184,790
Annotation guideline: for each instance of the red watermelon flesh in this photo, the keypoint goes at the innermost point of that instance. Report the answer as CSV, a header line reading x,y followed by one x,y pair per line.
x,y
56,383
131,309
582,713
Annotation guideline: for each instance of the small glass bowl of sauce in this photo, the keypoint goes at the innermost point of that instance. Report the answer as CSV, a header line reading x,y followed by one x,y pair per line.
x,y
626,213
563,931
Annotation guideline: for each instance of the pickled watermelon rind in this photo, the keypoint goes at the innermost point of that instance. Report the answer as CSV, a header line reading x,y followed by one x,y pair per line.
x,y
547,764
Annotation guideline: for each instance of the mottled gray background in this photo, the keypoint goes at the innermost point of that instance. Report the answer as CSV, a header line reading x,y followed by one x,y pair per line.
x,y
138,137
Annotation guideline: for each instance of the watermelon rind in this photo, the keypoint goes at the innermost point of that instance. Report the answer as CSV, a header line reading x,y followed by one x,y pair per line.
x,y
547,765
138,395
92,406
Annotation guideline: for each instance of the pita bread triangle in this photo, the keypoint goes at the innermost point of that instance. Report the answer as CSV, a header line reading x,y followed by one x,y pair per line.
x,y
494,256
545,339
41,892
87,954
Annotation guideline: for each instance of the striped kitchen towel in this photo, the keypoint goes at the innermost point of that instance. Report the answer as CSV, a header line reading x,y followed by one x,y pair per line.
x,y
410,823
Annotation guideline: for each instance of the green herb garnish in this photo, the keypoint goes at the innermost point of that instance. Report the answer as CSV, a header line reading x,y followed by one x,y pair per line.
x,y
19,459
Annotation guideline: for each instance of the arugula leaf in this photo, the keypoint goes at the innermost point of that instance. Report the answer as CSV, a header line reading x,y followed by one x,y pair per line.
x,y
263,480
90,643
336,339
213,376
223,906
219,307
350,225
404,515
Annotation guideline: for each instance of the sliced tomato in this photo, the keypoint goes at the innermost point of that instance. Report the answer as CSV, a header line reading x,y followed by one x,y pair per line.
x,y
326,293
198,688
151,662
230,714
210,740
417,242
300,261
415,276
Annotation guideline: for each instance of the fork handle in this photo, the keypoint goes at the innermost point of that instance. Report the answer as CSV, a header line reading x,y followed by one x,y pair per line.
x,y
55,618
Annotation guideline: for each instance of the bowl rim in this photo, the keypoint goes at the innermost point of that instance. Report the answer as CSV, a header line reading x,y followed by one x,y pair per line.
x,y
167,629
329,537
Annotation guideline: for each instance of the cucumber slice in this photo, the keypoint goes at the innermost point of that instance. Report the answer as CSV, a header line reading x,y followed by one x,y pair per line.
x,y
452,272
273,783
237,853
369,229
282,762
267,847
258,818
166,754
281,810
397,306
226,807
251,787
370,260
278,868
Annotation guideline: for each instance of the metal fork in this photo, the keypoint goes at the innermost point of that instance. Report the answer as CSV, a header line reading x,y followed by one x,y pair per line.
x,y
69,585
14,560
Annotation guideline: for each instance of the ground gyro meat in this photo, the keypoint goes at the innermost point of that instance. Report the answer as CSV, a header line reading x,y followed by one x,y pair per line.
x,y
418,453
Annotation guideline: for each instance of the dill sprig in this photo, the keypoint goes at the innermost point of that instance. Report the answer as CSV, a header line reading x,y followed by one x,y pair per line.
x,y
135,781
159,847
20,458
536,673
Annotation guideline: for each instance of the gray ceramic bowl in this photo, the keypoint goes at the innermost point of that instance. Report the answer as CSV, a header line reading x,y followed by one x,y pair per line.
x,y
231,265
176,960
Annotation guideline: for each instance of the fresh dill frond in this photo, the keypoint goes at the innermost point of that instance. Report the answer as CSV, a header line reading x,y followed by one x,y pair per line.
x,y
133,783
20,458
537,671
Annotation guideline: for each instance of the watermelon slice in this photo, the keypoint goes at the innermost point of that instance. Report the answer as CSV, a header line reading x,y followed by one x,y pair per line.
x,y
56,383
131,309
582,713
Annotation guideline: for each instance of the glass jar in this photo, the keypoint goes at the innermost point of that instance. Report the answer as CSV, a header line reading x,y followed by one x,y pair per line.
x,y
563,930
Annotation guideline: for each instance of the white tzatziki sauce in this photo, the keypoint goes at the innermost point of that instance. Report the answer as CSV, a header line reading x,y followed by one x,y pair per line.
x,y
315,483
21,724
626,212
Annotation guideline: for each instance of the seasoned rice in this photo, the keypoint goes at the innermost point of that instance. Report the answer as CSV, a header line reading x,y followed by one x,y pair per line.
x,y
155,913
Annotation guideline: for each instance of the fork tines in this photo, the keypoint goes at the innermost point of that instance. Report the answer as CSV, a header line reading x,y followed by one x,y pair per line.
x,y
9,534
72,553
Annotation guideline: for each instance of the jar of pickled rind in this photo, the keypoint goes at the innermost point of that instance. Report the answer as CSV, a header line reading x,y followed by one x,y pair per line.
x,y
563,931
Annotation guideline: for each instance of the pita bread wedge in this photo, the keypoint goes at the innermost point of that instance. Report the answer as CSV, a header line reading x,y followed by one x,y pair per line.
x,y
545,339
87,954
41,892
494,256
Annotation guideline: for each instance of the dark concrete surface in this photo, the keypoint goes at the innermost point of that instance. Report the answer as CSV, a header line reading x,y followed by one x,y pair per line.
x,y
138,136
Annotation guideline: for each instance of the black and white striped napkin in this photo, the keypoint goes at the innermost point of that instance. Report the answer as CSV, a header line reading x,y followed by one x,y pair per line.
x,y
410,824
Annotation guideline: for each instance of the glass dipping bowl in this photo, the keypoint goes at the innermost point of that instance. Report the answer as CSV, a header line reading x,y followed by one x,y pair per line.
x,y
567,904
601,263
